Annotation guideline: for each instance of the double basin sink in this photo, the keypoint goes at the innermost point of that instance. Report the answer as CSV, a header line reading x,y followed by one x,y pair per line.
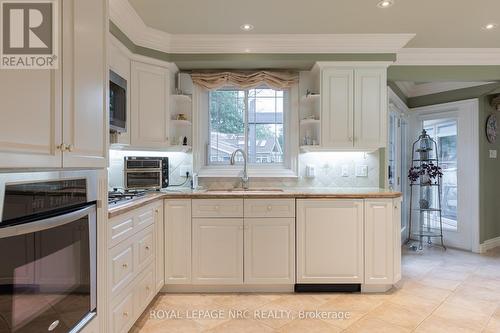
x,y
242,190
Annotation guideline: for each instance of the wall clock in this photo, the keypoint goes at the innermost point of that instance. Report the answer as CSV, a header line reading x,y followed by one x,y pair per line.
x,y
491,128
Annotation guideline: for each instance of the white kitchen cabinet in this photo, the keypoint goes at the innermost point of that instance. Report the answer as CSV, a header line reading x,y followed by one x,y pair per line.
x,y
217,251
159,247
379,237
56,118
337,107
353,106
177,241
85,83
150,87
370,107
269,253
330,241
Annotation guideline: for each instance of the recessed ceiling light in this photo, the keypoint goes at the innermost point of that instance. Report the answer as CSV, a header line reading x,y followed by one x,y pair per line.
x,y
490,26
246,27
385,3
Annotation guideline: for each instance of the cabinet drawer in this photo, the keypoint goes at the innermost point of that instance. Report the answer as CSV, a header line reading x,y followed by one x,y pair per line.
x,y
122,266
122,315
123,226
217,208
144,290
129,258
269,208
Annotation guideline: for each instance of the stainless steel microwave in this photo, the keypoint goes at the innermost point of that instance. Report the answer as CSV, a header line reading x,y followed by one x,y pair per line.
x,y
145,173
117,103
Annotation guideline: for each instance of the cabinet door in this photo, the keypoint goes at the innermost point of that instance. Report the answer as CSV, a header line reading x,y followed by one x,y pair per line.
x,y
159,248
329,241
370,107
149,105
397,239
379,241
217,251
31,117
177,241
84,83
337,110
269,254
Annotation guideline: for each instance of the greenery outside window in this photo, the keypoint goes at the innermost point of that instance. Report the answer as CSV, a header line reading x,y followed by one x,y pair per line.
x,y
249,119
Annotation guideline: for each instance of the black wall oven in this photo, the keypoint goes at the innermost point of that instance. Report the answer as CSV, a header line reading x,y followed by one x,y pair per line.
x,y
48,251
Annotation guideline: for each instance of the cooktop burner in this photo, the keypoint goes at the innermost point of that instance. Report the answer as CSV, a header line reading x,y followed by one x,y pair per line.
x,y
117,196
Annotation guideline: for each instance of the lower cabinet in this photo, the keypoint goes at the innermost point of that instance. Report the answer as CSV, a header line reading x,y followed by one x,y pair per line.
x,y
159,246
269,253
382,241
330,241
217,251
177,241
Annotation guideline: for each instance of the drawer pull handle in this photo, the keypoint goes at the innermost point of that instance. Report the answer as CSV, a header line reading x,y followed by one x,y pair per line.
x,y
125,314
125,265
216,207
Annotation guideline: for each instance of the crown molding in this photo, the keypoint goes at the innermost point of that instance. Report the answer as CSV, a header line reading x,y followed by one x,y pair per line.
x,y
448,57
411,89
130,23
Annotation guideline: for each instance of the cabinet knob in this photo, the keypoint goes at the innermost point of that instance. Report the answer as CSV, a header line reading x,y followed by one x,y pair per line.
x,y
125,265
125,314
62,146
147,247
216,207
269,208
69,147
350,138
147,288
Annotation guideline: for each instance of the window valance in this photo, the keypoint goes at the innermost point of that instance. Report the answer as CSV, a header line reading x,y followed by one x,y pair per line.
x,y
245,80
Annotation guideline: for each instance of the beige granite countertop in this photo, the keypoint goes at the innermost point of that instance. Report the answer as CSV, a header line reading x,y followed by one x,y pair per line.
x,y
267,193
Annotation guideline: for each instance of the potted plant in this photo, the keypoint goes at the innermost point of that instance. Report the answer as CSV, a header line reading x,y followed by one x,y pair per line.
x,y
428,173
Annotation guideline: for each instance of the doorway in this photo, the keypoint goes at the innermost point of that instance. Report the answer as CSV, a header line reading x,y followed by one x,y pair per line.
x,y
454,127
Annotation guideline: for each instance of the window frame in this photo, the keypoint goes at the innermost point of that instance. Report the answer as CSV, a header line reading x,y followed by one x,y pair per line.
x,y
201,133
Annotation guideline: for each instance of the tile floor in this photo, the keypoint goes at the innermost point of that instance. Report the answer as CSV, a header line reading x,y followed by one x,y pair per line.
x,y
450,291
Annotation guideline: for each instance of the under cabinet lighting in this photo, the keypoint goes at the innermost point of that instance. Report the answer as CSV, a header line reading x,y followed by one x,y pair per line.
x,y
490,26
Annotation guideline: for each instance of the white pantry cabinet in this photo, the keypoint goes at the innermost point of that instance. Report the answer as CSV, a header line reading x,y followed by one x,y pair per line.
x,y
217,251
353,106
330,241
150,113
177,241
56,118
269,250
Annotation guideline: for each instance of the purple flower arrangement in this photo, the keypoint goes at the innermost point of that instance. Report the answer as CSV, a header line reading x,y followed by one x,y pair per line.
x,y
430,170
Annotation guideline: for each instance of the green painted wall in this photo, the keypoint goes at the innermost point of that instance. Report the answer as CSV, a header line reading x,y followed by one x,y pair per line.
x,y
489,177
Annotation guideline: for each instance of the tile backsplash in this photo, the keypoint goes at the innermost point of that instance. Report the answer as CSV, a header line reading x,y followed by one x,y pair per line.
x,y
331,169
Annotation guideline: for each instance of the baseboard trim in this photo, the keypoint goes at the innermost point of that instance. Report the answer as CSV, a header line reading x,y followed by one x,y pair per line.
x,y
489,244
194,288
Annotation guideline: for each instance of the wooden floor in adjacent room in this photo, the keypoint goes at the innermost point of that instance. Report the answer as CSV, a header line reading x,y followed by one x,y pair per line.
x,y
441,291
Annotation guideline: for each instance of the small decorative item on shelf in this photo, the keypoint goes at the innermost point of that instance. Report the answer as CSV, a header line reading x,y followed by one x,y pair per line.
x,y
428,171
181,116
424,204
185,141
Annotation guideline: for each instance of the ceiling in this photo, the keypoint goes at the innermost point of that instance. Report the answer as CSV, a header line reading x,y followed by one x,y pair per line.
x,y
437,23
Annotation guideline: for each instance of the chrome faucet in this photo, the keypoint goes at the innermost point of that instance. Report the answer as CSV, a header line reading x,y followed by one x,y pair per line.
x,y
244,177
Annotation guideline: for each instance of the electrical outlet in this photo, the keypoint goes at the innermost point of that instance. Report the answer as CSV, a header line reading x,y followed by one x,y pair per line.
x,y
183,169
362,171
493,153
345,170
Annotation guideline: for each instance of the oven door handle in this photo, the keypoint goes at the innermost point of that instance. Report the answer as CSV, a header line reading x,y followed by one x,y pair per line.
x,y
45,224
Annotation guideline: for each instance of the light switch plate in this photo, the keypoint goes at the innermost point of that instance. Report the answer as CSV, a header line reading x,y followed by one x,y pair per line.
x,y
345,170
362,171
493,153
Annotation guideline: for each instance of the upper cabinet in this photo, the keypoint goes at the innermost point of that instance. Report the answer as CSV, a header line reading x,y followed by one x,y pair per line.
x,y
353,106
150,90
56,118
84,83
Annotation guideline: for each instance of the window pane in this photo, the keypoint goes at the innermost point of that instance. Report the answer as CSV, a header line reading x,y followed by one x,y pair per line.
x,y
265,127
227,127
